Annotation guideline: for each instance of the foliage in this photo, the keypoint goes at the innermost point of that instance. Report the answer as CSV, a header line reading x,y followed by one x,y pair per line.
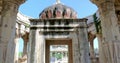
x,y
20,54
97,23
27,25
58,55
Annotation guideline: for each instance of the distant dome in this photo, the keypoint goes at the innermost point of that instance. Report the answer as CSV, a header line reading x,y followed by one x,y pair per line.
x,y
58,11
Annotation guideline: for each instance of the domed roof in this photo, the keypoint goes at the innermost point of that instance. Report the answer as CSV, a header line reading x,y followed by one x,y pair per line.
x,y
58,10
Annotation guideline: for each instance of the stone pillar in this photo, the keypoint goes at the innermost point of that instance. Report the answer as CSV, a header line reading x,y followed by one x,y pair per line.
x,y
91,50
110,30
16,50
7,30
84,45
25,49
75,47
102,59
80,43
37,45
16,40
91,41
25,38
0,8
92,54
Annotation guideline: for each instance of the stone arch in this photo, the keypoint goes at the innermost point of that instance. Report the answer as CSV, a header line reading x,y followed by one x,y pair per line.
x,y
15,16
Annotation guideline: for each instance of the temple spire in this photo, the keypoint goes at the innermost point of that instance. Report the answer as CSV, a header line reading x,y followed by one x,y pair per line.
x,y
57,1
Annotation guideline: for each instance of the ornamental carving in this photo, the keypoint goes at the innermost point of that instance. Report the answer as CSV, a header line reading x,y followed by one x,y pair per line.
x,y
58,11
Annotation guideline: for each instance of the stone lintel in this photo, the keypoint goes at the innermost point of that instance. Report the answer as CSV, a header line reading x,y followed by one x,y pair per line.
x,y
57,29
41,26
34,28
58,24
70,20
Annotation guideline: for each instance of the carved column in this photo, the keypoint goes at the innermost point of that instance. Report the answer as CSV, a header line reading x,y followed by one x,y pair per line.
x,y
91,38
92,54
102,59
37,47
7,29
16,41
84,46
110,30
25,38
80,44
83,43
0,8
75,47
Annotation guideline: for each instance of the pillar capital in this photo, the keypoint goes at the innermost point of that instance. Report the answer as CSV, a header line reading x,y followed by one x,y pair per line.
x,y
11,5
17,2
105,6
91,37
25,37
100,2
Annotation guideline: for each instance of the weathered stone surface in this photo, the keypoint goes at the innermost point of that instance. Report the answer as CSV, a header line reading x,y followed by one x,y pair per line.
x,y
37,47
75,46
84,46
7,30
110,29
58,10
80,46
101,49
78,34
91,38
26,39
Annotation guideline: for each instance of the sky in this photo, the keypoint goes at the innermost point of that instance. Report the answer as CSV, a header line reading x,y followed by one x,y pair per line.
x,y
33,8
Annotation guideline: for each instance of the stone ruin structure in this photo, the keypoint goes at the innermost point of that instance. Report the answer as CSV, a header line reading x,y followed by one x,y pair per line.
x,y
104,25
58,23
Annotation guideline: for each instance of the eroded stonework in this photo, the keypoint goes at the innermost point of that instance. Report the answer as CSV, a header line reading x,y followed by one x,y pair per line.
x,y
108,40
58,11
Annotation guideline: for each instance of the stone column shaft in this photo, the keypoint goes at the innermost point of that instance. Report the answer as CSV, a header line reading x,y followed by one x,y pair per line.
x,y
25,49
37,45
80,44
91,38
0,8
26,39
84,45
16,50
16,40
91,49
110,30
92,54
102,59
75,47
7,29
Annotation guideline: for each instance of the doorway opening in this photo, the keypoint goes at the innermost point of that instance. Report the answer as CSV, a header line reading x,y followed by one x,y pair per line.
x,y
59,51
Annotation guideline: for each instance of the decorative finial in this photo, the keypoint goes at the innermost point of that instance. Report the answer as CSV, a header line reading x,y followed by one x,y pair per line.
x,y
57,1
